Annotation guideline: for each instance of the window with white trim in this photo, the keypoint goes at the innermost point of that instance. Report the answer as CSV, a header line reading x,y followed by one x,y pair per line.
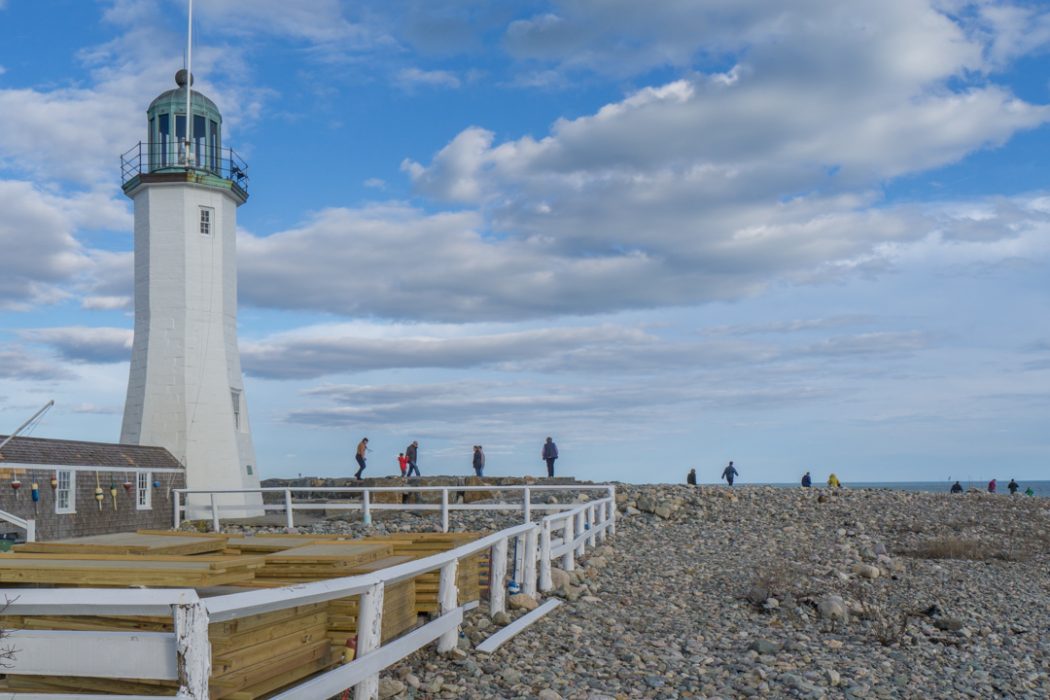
x,y
207,218
143,495
65,492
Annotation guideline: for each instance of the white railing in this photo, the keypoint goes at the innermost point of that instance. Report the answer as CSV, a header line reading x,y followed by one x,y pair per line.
x,y
28,525
287,505
185,654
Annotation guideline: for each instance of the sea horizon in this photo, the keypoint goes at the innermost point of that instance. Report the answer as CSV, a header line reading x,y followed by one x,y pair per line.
x,y
1040,487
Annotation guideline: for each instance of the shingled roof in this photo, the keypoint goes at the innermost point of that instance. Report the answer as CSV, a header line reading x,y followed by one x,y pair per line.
x,y
27,450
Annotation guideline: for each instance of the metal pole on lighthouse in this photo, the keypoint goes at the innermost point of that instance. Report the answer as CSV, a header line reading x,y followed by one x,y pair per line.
x,y
189,85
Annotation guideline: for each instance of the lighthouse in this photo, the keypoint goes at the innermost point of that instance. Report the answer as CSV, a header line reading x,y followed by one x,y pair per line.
x,y
186,390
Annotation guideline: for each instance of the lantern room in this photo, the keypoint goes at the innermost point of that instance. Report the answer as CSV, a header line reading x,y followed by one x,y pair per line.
x,y
167,130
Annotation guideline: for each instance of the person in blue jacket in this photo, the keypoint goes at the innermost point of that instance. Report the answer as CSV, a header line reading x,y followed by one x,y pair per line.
x,y
730,473
807,481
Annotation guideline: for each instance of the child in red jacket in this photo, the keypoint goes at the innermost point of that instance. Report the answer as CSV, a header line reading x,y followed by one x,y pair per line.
x,y
402,461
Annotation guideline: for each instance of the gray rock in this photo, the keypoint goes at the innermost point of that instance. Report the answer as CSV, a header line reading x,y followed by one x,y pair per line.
x,y
834,608
866,570
764,646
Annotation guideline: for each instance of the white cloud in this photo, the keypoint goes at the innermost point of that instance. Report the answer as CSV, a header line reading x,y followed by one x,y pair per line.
x,y
84,344
409,78
346,349
40,255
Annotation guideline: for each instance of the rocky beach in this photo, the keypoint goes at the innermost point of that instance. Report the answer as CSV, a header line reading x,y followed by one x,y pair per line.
x,y
712,592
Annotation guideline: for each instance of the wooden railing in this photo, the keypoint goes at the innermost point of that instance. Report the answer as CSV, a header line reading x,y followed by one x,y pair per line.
x,y
185,654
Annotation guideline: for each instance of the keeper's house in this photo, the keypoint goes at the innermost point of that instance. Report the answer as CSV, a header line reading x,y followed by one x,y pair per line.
x,y
73,489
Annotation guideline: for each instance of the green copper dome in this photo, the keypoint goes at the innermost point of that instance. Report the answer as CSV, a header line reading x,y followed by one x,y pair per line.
x,y
167,129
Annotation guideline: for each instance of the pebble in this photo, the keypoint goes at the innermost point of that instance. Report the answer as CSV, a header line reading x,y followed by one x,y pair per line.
x,y
681,606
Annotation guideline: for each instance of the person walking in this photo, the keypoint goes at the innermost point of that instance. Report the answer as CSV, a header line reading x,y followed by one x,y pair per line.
x,y
833,481
1013,486
479,461
362,448
807,480
730,473
957,487
991,486
412,455
549,454
402,462
690,478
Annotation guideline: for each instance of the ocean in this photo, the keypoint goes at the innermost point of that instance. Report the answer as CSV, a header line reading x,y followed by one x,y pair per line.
x,y
1041,488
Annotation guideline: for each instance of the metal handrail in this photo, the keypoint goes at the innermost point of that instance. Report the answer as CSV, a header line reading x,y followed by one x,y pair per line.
x,y
144,158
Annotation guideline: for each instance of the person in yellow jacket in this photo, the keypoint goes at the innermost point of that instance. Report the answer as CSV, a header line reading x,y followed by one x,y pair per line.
x,y
833,482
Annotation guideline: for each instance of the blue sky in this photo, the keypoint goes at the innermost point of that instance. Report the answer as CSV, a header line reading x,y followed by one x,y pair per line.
x,y
668,235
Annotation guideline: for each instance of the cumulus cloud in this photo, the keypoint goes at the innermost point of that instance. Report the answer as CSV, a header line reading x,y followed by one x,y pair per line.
x,y
40,254
20,363
83,344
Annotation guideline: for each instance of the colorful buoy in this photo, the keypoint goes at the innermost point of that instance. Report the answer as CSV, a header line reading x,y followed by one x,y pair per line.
x,y
99,497
36,492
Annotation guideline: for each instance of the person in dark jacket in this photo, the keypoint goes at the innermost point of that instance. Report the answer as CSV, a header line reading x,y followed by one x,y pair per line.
x,y
549,454
412,454
479,461
690,478
730,473
807,480
1013,486
957,487
362,449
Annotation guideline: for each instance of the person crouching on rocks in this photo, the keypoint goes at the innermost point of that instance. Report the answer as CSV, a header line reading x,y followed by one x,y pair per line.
x,y
730,473
833,481
690,478
956,487
807,480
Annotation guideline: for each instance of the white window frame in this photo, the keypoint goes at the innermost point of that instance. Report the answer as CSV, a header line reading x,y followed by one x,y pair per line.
x,y
143,493
207,221
70,491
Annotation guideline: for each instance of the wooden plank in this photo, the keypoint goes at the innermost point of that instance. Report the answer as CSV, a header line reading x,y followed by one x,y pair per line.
x,y
497,640
126,543
350,674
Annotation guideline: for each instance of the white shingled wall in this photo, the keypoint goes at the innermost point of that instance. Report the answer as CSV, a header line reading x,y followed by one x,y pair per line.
x,y
185,360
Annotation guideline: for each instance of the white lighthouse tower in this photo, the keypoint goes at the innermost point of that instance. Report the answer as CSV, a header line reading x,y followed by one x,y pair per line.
x,y
186,391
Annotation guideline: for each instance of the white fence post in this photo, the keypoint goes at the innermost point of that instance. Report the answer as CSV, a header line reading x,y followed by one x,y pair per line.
x,y
567,561
581,548
444,510
497,577
546,582
289,519
612,510
369,636
448,598
528,585
177,507
30,530
215,516
603,516
592,521
366,508
526,504
193,650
